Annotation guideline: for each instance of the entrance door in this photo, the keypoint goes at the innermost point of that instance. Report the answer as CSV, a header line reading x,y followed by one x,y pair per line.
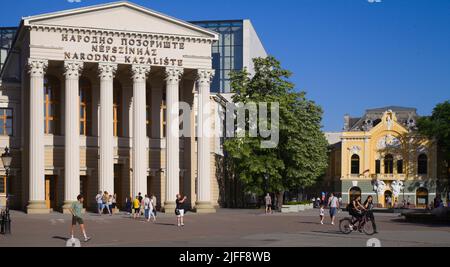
x,y
50,192
84,189
422,198
388,199
118,185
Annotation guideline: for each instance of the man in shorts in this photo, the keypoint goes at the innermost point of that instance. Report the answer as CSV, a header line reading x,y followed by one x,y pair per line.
x,y
333,204
77,217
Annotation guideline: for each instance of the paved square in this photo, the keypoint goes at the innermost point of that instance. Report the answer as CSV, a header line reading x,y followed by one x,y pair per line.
x,y
227,228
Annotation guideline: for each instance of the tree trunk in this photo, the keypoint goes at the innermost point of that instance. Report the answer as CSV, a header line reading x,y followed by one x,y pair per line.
x,y
280,200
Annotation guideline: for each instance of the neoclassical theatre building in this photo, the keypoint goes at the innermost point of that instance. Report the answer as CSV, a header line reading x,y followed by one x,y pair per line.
x,y
87,102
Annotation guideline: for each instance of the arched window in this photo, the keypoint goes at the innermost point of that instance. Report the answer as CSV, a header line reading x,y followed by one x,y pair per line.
x,y
422,164
117,108
389,164
355,165
52,90
85,107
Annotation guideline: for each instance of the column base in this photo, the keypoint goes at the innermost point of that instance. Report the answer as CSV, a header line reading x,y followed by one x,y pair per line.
x,y
169,207
37,207
204,208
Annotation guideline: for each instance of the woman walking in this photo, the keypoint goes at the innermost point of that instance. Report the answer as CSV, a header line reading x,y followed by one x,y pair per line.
x,y
368,205
179,211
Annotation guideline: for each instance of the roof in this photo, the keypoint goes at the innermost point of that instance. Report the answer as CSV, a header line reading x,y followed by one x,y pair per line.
x,y
30,19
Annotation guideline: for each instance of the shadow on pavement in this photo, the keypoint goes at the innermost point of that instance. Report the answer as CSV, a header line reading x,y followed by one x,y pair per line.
x,y
61,238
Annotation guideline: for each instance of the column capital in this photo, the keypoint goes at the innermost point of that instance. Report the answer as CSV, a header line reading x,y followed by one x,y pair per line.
x,y
205,75
37,67
140,72
72,69
173,74
107,71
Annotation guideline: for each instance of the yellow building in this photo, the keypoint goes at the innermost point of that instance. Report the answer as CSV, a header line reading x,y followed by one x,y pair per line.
x,y
381,155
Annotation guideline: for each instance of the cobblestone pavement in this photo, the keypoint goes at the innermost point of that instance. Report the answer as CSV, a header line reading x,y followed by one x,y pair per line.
x,y
227,228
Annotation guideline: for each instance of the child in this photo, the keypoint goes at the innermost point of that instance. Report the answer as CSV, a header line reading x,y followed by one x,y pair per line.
x,y
322,214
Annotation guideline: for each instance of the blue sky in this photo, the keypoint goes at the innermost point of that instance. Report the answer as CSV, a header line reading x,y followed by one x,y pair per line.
x,y
348,55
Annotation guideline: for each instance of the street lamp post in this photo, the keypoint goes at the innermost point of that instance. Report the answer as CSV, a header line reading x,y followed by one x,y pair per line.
x,y
6,219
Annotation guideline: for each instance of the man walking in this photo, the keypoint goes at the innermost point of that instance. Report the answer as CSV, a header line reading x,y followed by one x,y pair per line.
x,y
333,204
77,217
268,201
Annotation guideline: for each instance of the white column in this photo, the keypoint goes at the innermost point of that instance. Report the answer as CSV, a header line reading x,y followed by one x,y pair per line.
x,y
72,134
140,164
173,76
205,133
37,68
106,168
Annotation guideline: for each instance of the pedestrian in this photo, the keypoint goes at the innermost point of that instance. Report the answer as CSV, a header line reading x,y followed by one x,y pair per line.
x,y
77,217
268,201
155,204
136,207
149,209
141,201
110,204
322,214
369,206
99,201
128,205
105,199
114,201
333,204
408,202
179,210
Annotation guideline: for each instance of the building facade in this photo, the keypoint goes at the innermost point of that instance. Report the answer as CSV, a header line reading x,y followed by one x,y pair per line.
x,y
381,155
96,108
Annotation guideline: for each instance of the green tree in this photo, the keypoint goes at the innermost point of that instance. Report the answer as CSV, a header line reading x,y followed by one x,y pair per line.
x,y
301,155
437,128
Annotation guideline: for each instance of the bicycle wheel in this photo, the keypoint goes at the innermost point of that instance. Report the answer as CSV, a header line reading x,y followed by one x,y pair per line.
x,y
345,226
368,227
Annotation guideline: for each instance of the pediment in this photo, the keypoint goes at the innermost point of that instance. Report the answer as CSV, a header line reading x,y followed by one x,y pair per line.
x,y
121,16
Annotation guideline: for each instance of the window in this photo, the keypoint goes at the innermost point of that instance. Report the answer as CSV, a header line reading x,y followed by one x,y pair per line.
x,y
389,164
355,165
2,184
422,164
164,114
378,166
52,88
400,166
149,111
117,106
6,121
85,107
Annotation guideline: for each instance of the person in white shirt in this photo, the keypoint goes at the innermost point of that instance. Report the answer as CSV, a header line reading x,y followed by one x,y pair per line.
x,y
148,209
322,214
99,201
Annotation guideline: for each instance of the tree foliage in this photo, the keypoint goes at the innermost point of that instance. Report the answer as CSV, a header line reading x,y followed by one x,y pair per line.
x,y
437,127
301,155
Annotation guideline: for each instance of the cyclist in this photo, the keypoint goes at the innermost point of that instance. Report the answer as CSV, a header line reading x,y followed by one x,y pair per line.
x,y
356,209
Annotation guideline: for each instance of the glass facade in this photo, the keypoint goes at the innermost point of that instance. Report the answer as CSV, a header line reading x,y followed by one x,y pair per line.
x,y
227,53
6,39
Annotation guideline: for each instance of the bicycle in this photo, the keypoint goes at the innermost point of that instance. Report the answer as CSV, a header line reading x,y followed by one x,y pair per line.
x,y
365,224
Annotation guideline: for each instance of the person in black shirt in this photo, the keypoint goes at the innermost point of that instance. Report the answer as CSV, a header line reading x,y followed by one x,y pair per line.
x,y
179,211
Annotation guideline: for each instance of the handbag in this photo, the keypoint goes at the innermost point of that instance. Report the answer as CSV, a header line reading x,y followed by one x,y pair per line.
x,y
177,212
